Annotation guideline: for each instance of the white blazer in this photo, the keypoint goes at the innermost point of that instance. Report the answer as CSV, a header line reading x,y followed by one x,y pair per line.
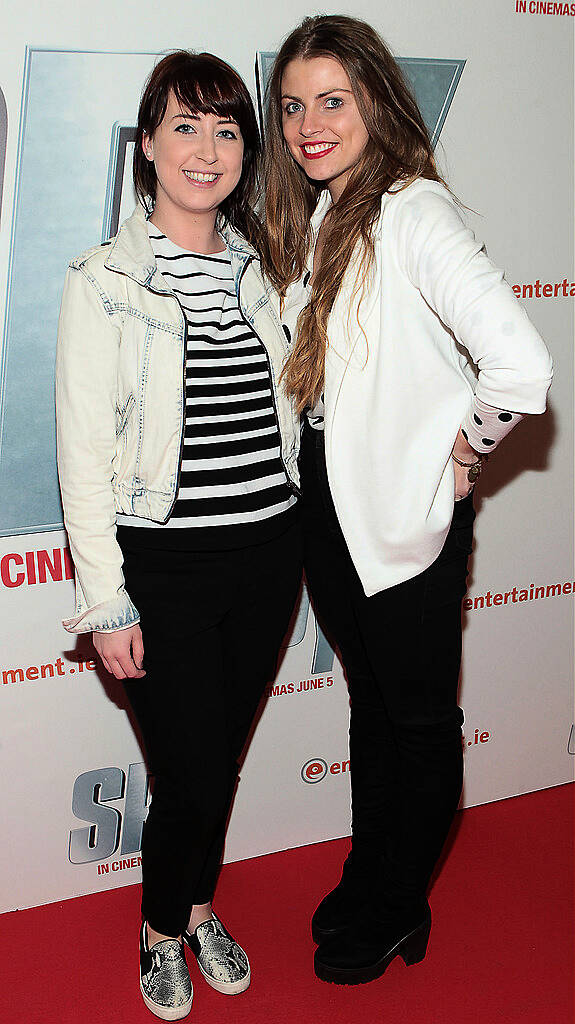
x,y
397,386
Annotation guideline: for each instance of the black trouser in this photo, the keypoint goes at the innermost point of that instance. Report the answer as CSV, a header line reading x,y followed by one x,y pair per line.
x,y
212,624
401,650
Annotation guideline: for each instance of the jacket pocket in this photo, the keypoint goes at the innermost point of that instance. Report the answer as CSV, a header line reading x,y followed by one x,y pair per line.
x,y
123,415
124,461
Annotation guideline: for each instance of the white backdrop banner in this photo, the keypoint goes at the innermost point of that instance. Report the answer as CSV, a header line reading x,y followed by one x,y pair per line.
x,y
495,86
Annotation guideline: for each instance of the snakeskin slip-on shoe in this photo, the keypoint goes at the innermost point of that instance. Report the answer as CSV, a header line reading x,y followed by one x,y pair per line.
x,y
221,960
164,978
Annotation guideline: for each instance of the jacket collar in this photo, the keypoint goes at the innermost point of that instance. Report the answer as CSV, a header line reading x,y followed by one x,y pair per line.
x,y
323,205
240,250
131,252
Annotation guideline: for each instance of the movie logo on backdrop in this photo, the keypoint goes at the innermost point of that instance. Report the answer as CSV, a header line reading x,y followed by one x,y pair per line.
x,y
109,827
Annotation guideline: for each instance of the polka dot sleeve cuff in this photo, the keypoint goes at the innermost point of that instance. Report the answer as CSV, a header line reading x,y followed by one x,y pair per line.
x,y
484,427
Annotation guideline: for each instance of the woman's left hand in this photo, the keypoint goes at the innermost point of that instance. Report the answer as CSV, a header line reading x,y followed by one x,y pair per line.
x,y
463,451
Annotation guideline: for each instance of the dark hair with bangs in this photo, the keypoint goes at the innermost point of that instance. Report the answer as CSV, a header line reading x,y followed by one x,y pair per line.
x,y
203,84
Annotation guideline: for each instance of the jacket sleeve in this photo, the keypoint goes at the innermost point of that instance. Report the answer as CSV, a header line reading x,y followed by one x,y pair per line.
x,y
445,262
86,374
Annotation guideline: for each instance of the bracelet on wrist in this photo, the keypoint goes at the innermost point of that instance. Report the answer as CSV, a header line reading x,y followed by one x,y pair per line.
x,y
473,468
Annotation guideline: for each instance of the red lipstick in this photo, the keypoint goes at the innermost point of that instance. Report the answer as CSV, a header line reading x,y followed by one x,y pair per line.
x,y
318,155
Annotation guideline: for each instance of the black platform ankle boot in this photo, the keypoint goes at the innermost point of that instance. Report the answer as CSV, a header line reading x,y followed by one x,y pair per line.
x,y
364,949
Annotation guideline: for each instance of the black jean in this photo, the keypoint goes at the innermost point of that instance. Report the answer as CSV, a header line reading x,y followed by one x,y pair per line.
x,y
401,650
212,624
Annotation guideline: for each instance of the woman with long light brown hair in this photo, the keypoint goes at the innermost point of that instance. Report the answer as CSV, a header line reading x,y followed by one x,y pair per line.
x,y
411,359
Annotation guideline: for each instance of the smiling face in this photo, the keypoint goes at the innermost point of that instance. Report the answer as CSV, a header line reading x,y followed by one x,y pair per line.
x,y
321,122
198,163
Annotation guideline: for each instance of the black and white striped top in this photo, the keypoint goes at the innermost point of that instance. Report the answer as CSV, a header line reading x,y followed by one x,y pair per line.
x,y
233,485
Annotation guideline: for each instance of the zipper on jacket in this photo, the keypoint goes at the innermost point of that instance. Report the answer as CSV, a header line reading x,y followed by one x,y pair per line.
x,y
291,485
183,429
183,426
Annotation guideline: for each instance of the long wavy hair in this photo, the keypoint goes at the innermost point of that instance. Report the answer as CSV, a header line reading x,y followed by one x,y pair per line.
x,y
398,151
203,84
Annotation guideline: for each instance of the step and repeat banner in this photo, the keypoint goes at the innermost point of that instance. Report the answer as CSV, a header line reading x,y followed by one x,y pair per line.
x,y
495,85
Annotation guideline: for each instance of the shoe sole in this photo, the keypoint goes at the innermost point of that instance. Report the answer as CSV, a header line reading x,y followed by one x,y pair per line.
x,y
412,949
227,988
166,1012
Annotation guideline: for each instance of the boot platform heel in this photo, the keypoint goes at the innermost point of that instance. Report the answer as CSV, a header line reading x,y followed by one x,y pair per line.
x,y
414,947
364,951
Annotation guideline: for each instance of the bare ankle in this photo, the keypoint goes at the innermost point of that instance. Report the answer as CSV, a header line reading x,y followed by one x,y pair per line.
x,y
200,912
154,937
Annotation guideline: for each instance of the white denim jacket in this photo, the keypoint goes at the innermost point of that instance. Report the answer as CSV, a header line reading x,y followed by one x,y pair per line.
x,y
120,402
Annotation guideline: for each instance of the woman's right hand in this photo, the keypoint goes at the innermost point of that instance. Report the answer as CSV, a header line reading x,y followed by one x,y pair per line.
x,y
122,652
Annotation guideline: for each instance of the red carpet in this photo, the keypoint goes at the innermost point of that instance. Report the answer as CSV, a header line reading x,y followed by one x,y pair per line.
x,y
501,949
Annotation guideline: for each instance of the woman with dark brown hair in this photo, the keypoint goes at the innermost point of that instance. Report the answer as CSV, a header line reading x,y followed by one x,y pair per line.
x,y
177,456
411,360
